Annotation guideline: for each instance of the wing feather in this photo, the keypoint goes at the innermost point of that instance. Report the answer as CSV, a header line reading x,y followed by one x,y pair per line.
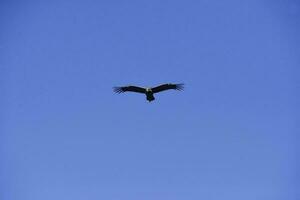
x,y
129,89
168,86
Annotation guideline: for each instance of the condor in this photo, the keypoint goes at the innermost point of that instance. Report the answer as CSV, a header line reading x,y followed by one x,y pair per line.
x,y
149,91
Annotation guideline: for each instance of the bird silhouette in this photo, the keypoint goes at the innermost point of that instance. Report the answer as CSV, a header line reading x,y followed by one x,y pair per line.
x,y
149,92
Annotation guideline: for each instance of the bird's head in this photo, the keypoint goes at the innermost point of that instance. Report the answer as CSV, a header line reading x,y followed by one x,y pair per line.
x,y
148,90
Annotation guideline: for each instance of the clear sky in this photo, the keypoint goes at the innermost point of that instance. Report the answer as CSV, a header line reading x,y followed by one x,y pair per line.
x,y
230,135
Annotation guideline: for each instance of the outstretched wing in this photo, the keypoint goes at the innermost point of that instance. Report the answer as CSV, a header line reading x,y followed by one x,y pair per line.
x,y
164,87
129,89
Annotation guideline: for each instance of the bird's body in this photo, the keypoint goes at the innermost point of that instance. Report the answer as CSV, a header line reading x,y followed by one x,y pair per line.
x,y
149,92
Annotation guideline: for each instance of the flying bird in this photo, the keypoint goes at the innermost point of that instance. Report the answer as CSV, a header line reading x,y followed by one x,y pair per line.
x,y
149,91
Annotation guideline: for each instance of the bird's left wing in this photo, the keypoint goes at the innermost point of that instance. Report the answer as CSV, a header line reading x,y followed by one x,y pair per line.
x,y
129,89
168,87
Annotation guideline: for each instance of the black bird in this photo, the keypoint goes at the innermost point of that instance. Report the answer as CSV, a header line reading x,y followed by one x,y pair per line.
x,y
149,91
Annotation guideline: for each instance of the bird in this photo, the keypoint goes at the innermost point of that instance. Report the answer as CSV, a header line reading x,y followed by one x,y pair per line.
x,y
149,91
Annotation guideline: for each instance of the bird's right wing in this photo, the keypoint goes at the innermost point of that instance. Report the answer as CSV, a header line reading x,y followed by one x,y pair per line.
x,y
129,89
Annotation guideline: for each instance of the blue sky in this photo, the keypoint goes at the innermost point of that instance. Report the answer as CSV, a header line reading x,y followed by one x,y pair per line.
x,y
230,135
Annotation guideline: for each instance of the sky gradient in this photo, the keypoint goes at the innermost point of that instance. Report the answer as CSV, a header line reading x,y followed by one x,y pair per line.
x,y
231,135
